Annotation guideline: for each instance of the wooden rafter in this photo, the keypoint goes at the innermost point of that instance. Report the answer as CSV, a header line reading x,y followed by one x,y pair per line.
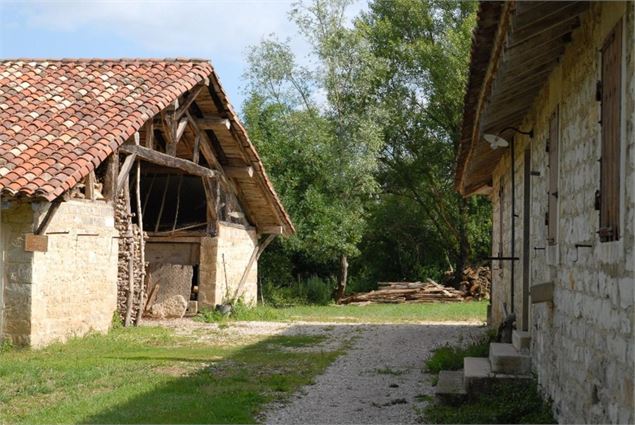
x,y
167,160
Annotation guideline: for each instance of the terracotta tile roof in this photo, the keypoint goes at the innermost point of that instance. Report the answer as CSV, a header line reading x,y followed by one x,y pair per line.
x,y
60,118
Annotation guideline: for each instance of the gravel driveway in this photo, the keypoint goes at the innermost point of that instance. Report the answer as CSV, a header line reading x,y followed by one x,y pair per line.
x,y
380,379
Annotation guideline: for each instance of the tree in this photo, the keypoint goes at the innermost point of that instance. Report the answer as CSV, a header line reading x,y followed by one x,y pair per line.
x,y
329,149
424,51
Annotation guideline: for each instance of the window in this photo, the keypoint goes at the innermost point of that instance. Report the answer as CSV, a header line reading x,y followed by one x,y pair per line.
x,y
610,161
552,191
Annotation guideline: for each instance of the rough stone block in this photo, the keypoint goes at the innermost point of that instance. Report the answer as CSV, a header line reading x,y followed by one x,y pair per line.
x,y
450,388
521,340
504,358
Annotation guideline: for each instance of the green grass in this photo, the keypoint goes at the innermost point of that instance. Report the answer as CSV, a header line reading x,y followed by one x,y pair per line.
x,y
149,375
503,403
373,313
451,357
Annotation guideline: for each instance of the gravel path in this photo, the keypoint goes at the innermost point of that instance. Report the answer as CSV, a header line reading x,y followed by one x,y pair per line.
x,y
379,380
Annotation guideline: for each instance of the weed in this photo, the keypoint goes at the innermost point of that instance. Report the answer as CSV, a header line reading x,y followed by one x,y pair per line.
x,y
6,345
424,397
503,403
451,357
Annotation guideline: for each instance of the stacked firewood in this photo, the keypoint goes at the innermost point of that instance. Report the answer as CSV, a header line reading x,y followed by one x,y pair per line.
x,y
475,285
475,282
407,292
129,239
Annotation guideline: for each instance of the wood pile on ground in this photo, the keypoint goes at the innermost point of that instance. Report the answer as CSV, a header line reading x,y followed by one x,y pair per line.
x,y
475,285
406,292
475,282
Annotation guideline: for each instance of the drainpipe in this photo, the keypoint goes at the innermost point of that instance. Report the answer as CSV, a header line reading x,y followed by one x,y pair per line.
x,y
513,248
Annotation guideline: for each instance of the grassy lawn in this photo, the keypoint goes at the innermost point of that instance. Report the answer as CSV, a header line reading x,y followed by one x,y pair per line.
x,y
150,375
372,313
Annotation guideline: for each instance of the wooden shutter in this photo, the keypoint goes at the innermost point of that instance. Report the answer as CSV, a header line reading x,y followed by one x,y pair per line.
x,y
552,202
610,162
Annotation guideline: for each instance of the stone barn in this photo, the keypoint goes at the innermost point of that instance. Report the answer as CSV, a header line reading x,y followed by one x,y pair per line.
x,y
548,136
128,187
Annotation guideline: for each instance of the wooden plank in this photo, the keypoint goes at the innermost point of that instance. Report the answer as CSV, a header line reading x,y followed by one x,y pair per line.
x,y
35,243
125,168
542,293
174,239
566,14
89,185
149,139
167,160
172,252
110,179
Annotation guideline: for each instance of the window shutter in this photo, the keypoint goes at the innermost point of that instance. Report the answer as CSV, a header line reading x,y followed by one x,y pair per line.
x,y
610,162
552,202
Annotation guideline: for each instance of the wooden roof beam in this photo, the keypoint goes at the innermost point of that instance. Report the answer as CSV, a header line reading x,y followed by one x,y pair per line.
x,y
166,160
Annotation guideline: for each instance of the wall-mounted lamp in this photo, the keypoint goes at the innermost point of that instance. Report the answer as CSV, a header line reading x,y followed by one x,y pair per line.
x,y
495,141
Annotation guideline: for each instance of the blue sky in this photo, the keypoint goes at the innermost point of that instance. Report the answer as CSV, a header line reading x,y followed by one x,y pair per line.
x,y
219,30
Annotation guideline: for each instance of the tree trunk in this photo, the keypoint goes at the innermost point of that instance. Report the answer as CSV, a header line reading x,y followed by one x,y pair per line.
x,y
341,278
464,244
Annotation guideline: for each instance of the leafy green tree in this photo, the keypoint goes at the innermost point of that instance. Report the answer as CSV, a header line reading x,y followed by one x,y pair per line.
x,y
328,149
423,48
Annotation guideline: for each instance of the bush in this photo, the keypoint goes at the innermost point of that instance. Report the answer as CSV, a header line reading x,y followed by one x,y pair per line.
x,y
314,290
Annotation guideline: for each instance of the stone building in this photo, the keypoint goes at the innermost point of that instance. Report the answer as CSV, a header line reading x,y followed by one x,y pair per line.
x,y
548,136
94,154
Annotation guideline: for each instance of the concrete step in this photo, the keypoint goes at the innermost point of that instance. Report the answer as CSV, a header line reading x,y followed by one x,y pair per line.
x,y
450,388
504,358
478,375
521,340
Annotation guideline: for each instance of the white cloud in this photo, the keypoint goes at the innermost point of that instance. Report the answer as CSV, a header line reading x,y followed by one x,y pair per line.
x,y
209,28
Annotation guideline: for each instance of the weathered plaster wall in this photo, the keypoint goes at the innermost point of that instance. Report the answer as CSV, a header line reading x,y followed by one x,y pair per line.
x,y
71,288
224,258
16,267
583,345
74,282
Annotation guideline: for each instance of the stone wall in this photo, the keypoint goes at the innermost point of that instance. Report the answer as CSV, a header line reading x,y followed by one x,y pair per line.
x,y
68,290
224,258
583,349
74,282
16,266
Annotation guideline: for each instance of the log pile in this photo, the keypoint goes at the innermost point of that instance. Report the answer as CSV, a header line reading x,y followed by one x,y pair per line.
x,y
129,250
406,292
475,283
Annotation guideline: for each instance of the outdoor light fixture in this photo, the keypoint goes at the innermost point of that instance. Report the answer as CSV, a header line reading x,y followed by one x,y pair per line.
x,y
495,141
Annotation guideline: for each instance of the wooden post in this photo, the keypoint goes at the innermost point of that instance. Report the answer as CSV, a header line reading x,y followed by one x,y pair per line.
x,y
142,259
255,255
110,181
89,186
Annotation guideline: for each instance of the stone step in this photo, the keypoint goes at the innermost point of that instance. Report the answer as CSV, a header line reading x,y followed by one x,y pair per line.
x,y
478,375
504,358
521,340
450,387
